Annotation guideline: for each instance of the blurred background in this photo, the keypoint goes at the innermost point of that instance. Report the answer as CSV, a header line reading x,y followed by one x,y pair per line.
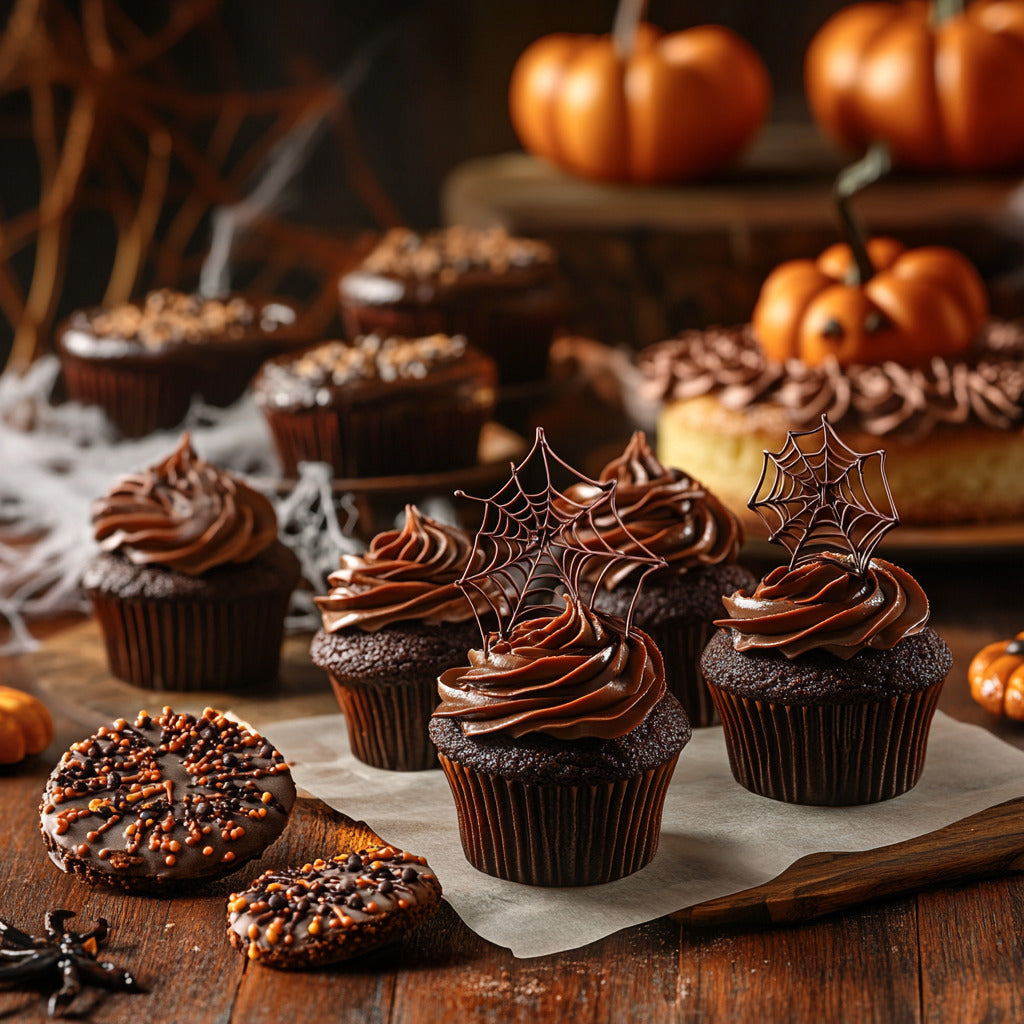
x,y
125,127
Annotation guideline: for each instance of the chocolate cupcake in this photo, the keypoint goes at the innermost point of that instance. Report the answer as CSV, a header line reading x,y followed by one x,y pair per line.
x,y
559,737
381,406
826,675
501,292
678,519
144,361
393,621
191,585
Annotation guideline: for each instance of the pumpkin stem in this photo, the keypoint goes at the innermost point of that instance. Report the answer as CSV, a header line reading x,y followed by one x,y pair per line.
x,y
943,10
628,16
873,165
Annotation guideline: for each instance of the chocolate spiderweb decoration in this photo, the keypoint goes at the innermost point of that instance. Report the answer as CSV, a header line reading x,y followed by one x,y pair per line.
x,y
532,547
819,500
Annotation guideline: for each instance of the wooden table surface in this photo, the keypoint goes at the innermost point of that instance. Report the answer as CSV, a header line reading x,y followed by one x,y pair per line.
x,y
945,954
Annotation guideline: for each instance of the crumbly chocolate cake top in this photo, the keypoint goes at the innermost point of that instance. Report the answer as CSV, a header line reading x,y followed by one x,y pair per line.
x,y
167,316
449,253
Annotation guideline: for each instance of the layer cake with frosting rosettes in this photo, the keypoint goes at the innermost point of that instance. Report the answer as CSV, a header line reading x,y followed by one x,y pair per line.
x,y
952,428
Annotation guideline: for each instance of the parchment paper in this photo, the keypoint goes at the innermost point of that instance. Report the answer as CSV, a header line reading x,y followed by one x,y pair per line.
x,y
717,838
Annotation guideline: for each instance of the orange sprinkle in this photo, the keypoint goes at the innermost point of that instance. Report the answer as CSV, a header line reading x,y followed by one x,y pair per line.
x,y
170,860
403,904
228,857
314,926
254,931
207,851
238,904
254,951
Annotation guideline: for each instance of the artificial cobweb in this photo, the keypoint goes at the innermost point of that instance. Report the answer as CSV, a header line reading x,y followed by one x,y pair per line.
x,y
531,545
819,501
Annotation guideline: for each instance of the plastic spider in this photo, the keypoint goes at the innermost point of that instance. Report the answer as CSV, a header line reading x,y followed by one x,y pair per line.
x,y
70,956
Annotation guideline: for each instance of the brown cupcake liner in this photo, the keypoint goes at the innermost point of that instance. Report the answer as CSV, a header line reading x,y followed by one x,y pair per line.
x,y
192,645
382,439
681,644
830,755
546,834
387,722
137,400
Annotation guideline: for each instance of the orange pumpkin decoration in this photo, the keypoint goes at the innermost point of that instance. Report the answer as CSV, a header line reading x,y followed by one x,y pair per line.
x,y
870,302
996,675
680,105
942,84
25,726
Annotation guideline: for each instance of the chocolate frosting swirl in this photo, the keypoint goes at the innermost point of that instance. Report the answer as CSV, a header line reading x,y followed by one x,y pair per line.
x,y
407,575
668,512
985,387
186,514
824,604
571,674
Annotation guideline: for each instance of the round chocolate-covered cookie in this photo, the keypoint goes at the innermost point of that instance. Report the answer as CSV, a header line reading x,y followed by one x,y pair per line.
x,y
165,800
332,910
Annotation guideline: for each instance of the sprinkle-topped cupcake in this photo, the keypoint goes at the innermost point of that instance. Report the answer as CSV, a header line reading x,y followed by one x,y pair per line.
x,y
191,585
559,736
143,361
501,292
826,674
679,520
380,406
393,621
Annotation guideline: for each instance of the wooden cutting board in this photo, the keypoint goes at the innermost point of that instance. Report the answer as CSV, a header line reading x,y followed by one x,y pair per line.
x,y
70,671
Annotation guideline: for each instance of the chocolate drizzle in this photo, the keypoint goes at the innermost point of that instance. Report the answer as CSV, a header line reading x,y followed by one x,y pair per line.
x,y
317,903
165,797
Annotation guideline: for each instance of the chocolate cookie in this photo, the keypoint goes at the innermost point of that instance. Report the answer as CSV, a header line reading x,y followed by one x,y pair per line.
x,y
165,800
332,910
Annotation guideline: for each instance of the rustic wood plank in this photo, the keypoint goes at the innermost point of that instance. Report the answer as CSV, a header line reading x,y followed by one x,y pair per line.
x,y
972,949
989,842
861,967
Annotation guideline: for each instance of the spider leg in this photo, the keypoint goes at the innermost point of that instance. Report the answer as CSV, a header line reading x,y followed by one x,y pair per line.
x,y
99,932
34,966
54,922
108,975
14,955
8,933
62,998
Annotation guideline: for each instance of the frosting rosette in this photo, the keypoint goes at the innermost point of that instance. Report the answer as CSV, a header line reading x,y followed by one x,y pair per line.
x,y
406,575
985,387
668,512
571,675
825,604
185,514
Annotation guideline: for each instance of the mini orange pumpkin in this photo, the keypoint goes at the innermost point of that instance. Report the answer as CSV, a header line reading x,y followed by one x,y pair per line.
x,y
941,83
25,725
996,675
680,105
870,302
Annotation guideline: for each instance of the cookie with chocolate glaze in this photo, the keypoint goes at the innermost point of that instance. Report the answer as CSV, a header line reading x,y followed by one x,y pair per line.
x,y
163,801
332,910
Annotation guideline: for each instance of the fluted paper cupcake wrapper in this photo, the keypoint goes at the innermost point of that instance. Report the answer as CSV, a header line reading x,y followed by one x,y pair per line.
x,y
377,441
546,834
830,755
137,400
681,644
192,645
387,723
